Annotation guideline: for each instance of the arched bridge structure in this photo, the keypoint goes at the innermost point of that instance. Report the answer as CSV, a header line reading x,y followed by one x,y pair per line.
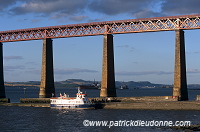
x,y
106,28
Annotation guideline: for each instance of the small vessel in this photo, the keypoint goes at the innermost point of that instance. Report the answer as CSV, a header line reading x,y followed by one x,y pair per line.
x,y
123,86
80,101
94,85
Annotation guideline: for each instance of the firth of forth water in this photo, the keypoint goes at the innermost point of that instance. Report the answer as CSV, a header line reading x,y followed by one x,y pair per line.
x,y
34,119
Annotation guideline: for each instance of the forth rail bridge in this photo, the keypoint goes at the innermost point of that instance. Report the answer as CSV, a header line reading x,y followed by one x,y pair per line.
x,y
106,28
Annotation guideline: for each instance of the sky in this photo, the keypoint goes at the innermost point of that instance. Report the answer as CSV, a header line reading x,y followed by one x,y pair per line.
x,y
138,56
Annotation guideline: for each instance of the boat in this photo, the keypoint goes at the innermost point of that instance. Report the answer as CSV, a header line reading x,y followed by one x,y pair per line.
x,y
78,102
123,86
94,85
89,87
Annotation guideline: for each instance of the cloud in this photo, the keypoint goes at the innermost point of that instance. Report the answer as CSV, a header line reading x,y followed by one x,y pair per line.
x,y
123,46
193,52
145,8
65,17
95,20
59,10
73,71
126,46
146,13
14,68
191,71
59,15
32,63
78,18
114,7
35,20
6,3
49,6
179,7
13,57
72,8
75,10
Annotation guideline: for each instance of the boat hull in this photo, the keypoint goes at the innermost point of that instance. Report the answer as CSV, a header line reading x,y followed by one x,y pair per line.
x,y
73,106
80,102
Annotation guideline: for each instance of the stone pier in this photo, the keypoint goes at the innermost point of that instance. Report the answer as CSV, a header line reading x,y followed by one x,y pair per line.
x,y
108,72
180,81
47,88
2,88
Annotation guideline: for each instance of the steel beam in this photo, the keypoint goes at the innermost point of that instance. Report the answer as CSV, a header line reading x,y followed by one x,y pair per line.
x,y
169,23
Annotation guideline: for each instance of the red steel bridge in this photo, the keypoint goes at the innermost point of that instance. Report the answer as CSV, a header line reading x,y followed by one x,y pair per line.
x,y
107,28
101,28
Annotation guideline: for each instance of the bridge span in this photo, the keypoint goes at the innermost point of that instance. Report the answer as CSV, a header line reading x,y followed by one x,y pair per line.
x,y
107,28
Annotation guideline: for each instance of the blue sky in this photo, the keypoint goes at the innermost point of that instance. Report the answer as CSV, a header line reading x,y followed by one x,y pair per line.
x,y
138,56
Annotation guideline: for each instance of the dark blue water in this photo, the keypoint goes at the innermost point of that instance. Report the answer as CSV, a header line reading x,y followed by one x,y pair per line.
x,y
15,93
32,119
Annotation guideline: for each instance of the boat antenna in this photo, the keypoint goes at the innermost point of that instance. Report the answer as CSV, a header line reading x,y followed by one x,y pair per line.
x,y
79,89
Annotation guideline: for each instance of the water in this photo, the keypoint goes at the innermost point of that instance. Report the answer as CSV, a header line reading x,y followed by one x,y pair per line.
x,y
33,119
15,93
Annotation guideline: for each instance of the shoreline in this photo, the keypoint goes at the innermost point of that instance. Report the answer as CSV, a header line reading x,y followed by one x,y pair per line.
x,y
136,105
155,105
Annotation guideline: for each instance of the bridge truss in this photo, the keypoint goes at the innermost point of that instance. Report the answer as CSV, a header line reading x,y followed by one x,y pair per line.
x,y
108,27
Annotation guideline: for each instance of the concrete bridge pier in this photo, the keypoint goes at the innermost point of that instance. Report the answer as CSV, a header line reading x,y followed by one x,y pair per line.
x,y
47,88
180,81
108,72
2,87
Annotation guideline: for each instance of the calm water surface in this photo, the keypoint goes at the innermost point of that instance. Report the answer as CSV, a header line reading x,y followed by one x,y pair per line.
x,y
15,93
31,119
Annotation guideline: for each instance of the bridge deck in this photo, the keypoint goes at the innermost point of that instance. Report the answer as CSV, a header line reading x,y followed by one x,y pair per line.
x,y
106,27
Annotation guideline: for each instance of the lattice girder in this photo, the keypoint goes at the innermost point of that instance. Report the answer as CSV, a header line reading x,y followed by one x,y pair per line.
x,y
185,22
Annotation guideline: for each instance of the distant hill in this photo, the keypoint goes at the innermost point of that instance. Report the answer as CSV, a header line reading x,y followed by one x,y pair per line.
x,y
72,83
130,84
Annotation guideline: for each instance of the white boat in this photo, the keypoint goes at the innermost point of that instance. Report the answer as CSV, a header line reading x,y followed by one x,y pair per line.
x,y
80,101
123,86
